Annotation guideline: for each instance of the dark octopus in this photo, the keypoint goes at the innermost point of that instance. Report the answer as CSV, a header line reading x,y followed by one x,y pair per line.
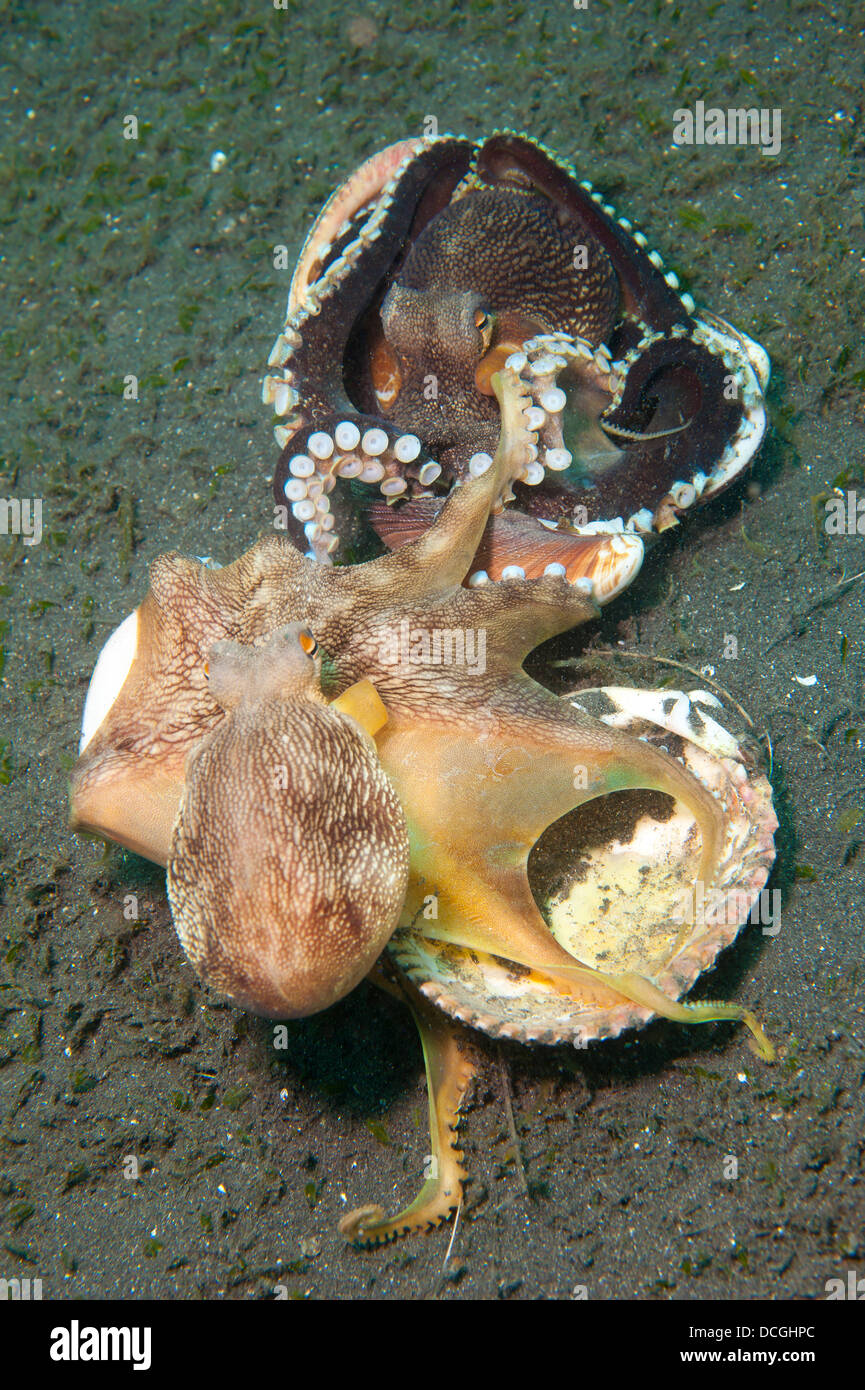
x,y
439,261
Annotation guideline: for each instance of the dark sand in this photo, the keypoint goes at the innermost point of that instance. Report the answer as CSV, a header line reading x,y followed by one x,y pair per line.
x,y
133,257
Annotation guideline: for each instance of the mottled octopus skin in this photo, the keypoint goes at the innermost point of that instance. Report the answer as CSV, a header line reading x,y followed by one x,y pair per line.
x,y
436,262
482,758
289,857
429,321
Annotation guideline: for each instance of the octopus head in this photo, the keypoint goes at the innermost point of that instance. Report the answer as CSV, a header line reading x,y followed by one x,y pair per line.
x,y
455,326
289,857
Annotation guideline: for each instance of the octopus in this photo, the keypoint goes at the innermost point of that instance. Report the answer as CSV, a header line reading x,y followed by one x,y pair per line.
x,y
485,763
438,262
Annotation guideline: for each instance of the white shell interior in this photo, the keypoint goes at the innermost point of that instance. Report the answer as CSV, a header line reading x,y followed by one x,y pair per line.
x,y
109,673
623,911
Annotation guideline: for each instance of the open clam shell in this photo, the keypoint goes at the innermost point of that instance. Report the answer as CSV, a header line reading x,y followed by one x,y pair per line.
x,y
615,881
438,260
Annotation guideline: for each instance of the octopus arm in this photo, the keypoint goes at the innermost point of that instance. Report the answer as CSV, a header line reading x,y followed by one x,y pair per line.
x,y
324,319
442,556
450,1066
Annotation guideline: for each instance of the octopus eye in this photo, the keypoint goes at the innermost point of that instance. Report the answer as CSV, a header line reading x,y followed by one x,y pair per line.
x,y
207,668
485,324
308,642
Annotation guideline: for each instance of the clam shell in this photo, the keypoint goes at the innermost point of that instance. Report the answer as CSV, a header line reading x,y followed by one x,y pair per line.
x,y
618,905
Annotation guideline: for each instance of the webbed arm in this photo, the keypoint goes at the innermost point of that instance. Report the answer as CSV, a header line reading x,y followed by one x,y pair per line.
x,y
519,614
485,804
449,1067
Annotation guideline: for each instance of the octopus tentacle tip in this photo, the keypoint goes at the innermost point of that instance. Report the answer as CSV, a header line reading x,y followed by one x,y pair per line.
x,y
355,1224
